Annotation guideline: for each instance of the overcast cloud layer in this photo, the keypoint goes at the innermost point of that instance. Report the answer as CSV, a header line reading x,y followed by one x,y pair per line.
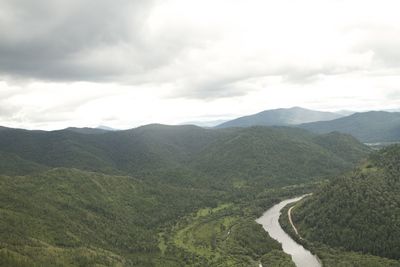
x,y
129,62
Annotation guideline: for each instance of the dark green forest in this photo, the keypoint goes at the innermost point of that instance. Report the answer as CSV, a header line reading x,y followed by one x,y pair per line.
x,y
156,195
359,211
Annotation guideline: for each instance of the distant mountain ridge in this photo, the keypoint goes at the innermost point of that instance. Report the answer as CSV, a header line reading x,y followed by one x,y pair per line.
x,y
87,130
368,127
281,117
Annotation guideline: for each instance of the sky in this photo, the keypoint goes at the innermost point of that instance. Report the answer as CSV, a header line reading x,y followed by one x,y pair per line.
x,y
126,63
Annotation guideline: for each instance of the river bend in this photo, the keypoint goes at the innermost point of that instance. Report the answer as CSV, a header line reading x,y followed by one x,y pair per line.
x,y
270,222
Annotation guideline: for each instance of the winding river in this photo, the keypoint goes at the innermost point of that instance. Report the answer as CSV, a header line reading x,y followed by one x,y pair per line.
x,y
270,222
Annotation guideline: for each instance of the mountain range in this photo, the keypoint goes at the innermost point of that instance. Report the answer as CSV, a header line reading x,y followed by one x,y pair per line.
x,y
374,127
230,153
161,195
368,127
155,195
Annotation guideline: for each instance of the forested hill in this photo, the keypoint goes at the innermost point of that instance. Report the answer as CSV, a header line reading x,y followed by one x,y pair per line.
x,y
155,195
368,127
187,151
360,211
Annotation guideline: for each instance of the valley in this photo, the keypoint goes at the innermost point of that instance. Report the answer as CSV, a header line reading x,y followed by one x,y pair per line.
x,y
185,133
156,195
160,195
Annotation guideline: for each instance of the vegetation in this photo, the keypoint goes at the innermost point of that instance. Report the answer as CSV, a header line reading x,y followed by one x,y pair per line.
x,y
188,154
277,258
74,210
68,217
359,211
270,156
333,257
155,195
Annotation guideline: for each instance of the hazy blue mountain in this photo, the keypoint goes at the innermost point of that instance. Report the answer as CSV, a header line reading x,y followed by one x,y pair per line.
x,y
281,117
210,123
107,128
345,112
87,130
393,110
369,127
5,128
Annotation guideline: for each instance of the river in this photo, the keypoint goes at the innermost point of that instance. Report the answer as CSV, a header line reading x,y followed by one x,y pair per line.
x,y
270,222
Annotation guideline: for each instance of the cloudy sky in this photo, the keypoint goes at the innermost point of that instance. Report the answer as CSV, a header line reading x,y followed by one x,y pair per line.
x,y
125,63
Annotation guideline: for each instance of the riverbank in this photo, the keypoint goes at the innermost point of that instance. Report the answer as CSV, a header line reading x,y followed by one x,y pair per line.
x,y
270,222
328,256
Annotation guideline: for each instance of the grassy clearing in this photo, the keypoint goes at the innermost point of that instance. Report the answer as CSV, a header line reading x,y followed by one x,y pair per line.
x,y
223,237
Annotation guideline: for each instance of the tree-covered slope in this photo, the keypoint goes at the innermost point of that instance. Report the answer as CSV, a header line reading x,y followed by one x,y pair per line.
x,y
68,217
360,211
280,117
55,149
278,155
145,148
63,212
189,152
70,199
11,164
342,145
369,127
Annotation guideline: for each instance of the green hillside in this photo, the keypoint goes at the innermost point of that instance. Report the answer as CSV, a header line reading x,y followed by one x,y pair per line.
x,y
256,153
71,215
359,211
11,164
68,217
277,155
155,195
150,147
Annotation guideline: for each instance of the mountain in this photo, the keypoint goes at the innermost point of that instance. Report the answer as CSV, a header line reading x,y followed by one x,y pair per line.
x,y
155,195
278,155
281,117
359,211
368,127
4,128
103,127
234,153
345,112
393,110
206,124
87,130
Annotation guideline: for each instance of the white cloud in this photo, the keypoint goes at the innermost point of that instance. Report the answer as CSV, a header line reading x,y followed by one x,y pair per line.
x,y
126,63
